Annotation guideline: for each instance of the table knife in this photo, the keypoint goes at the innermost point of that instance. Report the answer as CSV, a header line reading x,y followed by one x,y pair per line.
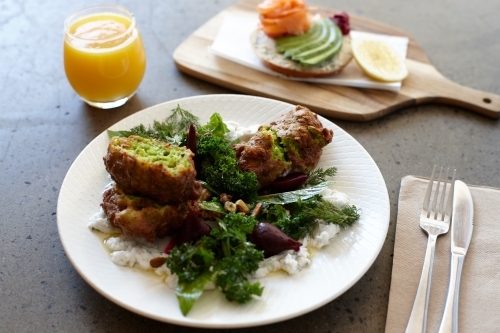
x,y
461,233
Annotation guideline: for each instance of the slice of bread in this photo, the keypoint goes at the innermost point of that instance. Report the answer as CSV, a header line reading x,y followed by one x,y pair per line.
x,y
265,48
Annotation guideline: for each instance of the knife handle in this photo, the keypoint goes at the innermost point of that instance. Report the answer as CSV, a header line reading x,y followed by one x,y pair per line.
x,y
449,322
418,316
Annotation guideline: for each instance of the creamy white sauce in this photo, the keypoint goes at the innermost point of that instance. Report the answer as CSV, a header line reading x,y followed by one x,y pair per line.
x,y
99,222
135,252
236,131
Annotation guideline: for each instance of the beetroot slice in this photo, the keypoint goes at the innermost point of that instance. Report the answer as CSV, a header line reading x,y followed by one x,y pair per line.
x,y
271,240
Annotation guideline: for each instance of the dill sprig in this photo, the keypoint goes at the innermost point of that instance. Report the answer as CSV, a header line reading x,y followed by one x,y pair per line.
x,y
329,213
319,175
172,130
300,218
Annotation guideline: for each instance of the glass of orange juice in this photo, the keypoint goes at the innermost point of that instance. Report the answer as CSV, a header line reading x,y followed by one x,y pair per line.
x,y
104,58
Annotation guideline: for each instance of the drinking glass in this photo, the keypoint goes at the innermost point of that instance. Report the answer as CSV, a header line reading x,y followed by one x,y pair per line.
x,y
104,57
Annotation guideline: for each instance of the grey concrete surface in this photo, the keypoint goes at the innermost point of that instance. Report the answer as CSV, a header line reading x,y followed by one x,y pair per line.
x,y
44,126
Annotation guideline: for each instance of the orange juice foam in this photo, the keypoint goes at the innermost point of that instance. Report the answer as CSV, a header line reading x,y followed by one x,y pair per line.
x,y
104,59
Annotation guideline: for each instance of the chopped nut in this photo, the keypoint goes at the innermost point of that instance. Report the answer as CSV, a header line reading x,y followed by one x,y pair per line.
x,y
241,206
157,262
205,195
225,198
257,209
230,206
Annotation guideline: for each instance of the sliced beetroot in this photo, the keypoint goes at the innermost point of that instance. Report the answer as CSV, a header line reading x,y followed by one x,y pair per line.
x,y
191,139
290,182
171,244
342,20
272,240
193,229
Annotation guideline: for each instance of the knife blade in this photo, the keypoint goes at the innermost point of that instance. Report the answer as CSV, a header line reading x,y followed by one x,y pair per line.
x,y
463,218
461,235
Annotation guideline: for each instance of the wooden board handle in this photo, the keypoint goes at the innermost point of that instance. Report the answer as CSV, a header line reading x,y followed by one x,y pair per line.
x,y
428,85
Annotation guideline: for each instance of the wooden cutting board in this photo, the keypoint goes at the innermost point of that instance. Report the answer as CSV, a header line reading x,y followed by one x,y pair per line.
x,y
423,85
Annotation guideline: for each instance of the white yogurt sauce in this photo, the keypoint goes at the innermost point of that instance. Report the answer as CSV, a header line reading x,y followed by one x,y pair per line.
x,y
239,132
134,252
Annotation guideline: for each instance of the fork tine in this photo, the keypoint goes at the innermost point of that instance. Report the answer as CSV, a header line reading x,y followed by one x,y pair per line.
x,y
441,208
450,195
427,198
436,194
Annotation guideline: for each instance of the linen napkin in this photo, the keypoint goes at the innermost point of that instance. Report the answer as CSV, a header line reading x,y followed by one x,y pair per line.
x,y
232,42
479,301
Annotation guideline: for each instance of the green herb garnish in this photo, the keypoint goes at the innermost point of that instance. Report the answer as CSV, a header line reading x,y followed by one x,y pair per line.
x,y
173,130
299,219
294,196
224,257
214,206
215,126
220,170
319,175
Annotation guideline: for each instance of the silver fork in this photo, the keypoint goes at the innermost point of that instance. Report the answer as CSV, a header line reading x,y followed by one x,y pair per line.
x,y
435,220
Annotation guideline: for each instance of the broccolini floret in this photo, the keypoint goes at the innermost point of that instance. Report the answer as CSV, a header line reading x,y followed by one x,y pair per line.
x,y
220,170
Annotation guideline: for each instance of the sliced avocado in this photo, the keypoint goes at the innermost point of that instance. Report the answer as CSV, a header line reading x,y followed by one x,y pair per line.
x,y
289,40
319,39
333,37
326,55
313,33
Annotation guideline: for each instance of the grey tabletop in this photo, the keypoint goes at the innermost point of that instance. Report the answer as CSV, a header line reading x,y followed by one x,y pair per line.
x,y
44,126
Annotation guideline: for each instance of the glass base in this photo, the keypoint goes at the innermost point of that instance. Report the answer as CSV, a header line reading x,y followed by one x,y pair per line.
x,y
108,105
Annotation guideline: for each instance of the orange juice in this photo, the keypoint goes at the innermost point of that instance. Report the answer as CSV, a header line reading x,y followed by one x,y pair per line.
x,y
104,57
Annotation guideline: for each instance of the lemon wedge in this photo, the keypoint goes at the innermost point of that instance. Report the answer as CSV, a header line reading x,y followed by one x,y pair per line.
x,y
379,60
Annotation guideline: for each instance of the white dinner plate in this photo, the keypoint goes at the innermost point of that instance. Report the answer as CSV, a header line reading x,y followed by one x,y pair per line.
x,y
334,269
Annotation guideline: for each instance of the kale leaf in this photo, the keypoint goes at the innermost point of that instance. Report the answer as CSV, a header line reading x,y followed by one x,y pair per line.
x,y
232,278
190,261
225,257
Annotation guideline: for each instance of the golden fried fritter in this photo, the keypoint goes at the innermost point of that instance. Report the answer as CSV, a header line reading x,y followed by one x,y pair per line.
x,y
153,169
303,137
142,217
263,156
292,142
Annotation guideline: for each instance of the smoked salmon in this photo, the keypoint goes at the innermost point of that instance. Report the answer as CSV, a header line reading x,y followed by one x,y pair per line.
x,y
284,17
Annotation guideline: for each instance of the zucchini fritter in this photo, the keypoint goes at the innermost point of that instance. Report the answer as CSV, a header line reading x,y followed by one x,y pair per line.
x,y
262,155
303,137
294,141
142,217
152,169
